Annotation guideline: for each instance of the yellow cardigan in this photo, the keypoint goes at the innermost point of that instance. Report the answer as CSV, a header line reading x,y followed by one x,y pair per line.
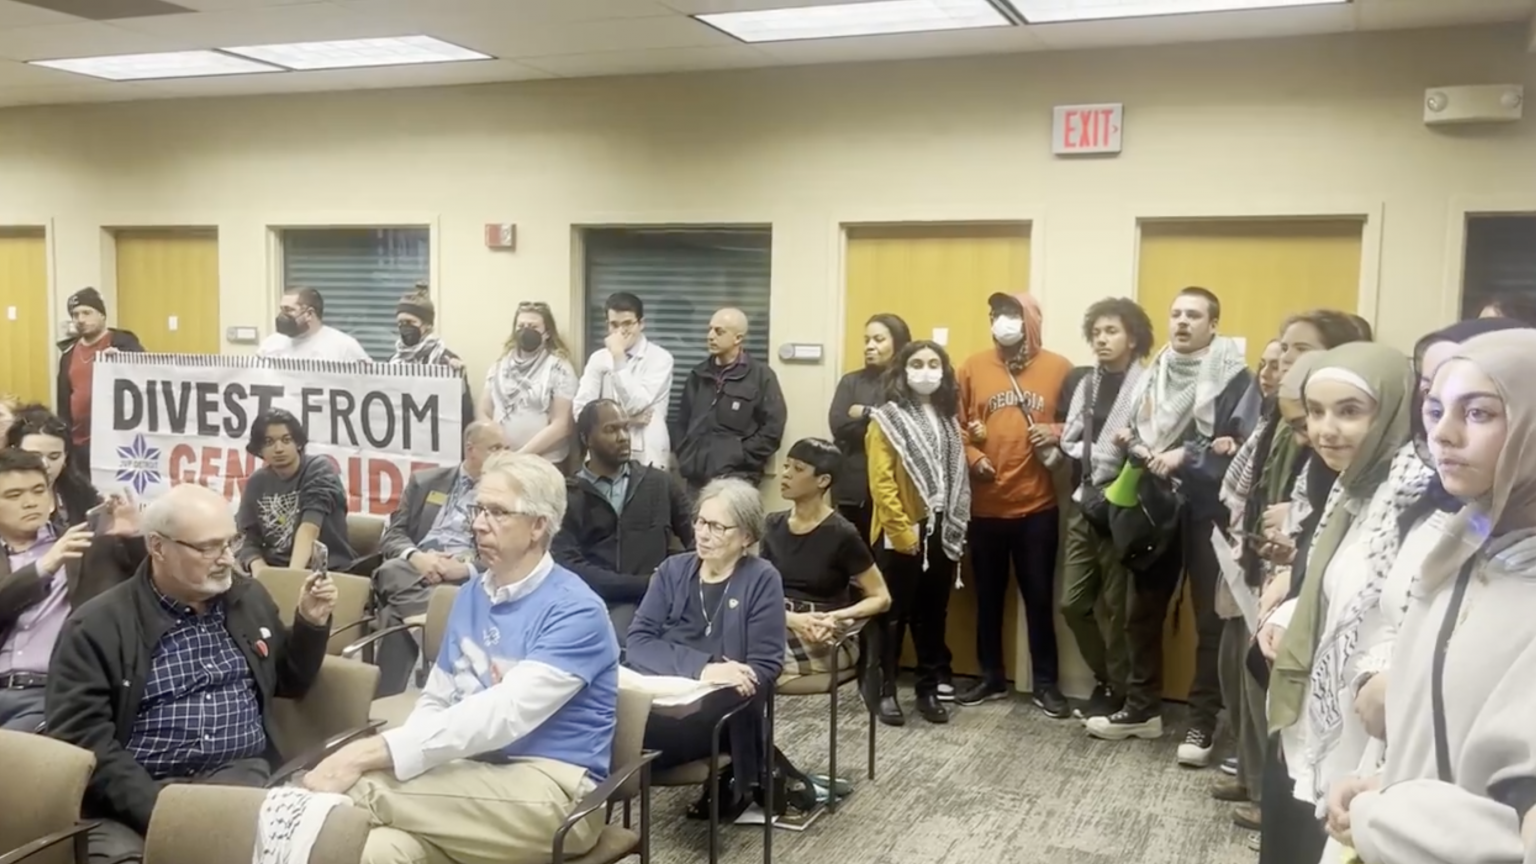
x,y
897,507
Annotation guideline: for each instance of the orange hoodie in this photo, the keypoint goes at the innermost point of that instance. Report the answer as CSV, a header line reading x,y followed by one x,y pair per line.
x,y
1023,484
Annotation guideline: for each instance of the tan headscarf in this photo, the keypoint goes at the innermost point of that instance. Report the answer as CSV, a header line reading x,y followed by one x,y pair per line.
x,y
1296,376
1508,358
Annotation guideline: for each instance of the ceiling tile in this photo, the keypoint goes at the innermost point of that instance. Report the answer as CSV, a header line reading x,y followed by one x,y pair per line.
x,y
79,40
702,7
447,74
588,37
22,15
1167,29
903,46
1403,14
310,22
650,62
426,13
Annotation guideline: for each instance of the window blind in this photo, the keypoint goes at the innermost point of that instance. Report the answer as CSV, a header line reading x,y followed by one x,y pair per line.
x,y
683,276
362,273
1500,259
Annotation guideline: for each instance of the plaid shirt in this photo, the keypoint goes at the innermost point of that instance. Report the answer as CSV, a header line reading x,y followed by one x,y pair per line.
x,y
200,709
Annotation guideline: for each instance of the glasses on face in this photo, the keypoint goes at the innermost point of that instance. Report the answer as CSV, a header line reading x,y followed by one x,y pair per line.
x,y
714,529
533,306
622,326
493,513
207,551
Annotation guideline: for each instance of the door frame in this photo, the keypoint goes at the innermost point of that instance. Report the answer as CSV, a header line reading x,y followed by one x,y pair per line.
x,y
1460,210
51,300
1370,213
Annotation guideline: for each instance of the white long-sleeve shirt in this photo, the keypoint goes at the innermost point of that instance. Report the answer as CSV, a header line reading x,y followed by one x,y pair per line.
x,y
641,382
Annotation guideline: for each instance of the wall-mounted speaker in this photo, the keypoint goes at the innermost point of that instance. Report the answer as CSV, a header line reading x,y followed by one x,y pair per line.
x,y
1487,103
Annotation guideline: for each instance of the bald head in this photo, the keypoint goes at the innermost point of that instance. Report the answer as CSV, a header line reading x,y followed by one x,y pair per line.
x,y
191,536
727,330
184,504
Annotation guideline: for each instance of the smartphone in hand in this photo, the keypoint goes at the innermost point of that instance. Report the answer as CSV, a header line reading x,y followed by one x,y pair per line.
x,y
319,558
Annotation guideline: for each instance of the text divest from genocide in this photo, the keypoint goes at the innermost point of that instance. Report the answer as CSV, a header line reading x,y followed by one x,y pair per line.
x,y
162,419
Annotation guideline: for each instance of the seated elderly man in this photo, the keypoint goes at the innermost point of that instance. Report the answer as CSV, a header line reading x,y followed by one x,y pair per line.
x,y
166,677
46,572
428,541
516,722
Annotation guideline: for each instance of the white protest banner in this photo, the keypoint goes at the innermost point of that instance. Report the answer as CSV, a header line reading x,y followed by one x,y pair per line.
x,y
163,419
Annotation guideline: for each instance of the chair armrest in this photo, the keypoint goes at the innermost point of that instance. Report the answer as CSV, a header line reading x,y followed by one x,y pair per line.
x,y
25,852
318,754
355,625
350,652
598,797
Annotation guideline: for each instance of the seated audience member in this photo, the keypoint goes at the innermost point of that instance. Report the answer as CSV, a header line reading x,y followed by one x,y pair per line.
x,y
637,374
621,514
291,501
302,333
167,677
516,722
44,574
715,615
429,541
823,560
36,429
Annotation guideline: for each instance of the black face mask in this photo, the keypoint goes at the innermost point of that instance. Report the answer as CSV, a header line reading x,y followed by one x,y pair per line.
x,y
410,334
529,340
288,325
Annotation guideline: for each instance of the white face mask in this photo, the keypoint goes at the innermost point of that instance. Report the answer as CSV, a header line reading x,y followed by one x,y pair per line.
x,y
924,381
1008,330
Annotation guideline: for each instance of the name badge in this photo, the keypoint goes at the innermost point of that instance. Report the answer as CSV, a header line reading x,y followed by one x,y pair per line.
x,y
438,498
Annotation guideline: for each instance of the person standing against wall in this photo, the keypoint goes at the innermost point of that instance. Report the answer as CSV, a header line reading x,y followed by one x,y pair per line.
x,y
636,373
77,364
302,333
733,413
858,394
417,340
1008,399
529,391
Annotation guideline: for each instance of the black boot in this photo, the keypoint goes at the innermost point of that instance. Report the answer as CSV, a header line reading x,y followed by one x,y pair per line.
x,y
932,710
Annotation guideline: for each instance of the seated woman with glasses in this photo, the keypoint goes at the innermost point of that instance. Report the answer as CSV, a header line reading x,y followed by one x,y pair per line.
x,y
530,390
36,429
291,501
715,615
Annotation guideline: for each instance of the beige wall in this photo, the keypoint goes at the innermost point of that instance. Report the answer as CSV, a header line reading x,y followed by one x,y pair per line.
x,y
1326,125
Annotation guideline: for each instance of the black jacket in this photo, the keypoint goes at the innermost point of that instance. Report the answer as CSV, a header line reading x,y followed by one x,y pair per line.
x,y
616,553
730,427
102,664
107,562
865,387
122,340
1237,411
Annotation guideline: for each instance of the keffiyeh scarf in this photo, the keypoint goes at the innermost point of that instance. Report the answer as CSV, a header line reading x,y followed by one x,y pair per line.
x,y
1407,482
430,351
521,384
935,461
290,822
1237,483
1105,455
1181,387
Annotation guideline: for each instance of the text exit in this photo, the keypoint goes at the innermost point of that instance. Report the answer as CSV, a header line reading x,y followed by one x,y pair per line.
x,y
1079,129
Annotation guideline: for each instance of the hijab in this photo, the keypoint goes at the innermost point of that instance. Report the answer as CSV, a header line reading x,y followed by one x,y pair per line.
x,y
1507,357
1388,377
1458,333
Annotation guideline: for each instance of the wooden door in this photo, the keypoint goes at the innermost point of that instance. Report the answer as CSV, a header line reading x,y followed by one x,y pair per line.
x,y
28,362
937,277
1263,271
168,288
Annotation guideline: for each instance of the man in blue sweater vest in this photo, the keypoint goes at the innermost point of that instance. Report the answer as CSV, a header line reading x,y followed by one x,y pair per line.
x,y
516,722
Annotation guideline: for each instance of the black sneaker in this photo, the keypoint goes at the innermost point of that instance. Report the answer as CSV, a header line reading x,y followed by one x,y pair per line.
x,y
982,691
1124,724
1195,752
1055,705
1102,703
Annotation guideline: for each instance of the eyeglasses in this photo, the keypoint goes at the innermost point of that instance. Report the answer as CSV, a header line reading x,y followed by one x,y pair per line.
x,y
533,306
715,529
214,549
492,513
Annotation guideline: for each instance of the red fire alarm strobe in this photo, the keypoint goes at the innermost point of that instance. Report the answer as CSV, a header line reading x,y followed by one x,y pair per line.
x,y
501,236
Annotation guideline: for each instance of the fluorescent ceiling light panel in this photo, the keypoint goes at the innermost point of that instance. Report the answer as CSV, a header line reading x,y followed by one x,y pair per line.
x,y
1058,11
358,53
856,19
170,64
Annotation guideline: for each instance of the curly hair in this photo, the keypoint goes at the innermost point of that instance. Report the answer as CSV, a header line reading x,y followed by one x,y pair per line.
x,y
1132,317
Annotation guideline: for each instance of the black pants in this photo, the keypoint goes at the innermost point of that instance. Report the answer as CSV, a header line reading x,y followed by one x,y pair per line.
x,y
112,842
1291,831
1028,545
919,600
1152,591
80,459
860,515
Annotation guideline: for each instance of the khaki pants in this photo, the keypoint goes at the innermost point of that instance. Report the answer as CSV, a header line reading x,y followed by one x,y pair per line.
x,y
1093,577
468,812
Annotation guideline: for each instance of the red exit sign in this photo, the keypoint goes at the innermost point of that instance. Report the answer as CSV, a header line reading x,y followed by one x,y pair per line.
x,y
1080,129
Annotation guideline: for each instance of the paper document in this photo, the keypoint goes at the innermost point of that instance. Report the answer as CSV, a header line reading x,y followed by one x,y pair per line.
x,y
1247,601
667,691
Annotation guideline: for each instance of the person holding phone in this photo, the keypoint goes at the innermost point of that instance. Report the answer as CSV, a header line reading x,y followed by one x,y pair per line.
x,y
293,500
167,678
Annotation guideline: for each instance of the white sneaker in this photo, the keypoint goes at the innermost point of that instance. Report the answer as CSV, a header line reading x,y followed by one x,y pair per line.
x,y
1195,752
1122,725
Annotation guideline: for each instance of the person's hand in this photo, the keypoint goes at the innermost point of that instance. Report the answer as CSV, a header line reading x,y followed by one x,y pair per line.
x,y
1371,705
423,562
1343,793
1042,436
1273,522
455,364
617,343
1270,636
110,349
977,431
69,547
1280,550
983,470
120,515
856,412
1122,437
318,599
818,628
643,418
1275,592
453,570
737,676
337,773
1164,464
1224,446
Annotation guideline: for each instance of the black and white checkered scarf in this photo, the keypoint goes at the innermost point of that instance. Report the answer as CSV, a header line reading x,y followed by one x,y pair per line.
x,y
936,464
1107,457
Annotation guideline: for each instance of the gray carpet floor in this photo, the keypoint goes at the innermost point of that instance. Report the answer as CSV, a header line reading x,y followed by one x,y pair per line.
x,y
999,783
